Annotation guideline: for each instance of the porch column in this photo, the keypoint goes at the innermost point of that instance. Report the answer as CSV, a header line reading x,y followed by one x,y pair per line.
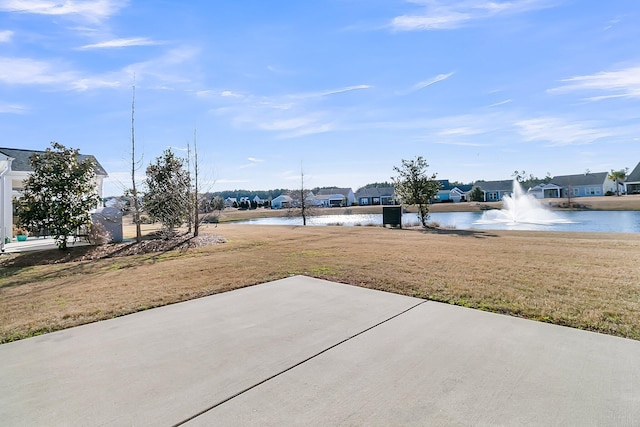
x,y
5,167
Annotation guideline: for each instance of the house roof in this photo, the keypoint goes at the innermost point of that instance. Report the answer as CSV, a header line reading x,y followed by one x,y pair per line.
x,y
21,160
596,178
504,185
444,184
331,191
634,176
464,188
375,192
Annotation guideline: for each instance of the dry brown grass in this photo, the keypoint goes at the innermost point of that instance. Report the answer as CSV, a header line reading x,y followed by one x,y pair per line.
x,y
583,280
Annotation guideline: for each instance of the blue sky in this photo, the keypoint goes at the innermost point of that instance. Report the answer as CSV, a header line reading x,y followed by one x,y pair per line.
x,y
343,89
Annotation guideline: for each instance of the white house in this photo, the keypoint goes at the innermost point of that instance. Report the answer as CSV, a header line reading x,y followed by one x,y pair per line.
x,y
14,170
335,197
282,202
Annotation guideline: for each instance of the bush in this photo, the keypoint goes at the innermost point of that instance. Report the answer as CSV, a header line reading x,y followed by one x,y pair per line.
x,y
210,219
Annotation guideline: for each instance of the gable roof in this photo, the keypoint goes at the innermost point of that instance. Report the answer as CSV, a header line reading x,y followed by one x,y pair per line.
x,y
634,176
596,178
504,185
464,188
376,192
331,191
21,160
444,184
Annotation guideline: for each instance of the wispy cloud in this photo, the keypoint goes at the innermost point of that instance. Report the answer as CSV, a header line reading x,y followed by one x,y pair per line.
x,y
162,71
118,43
230,94
446,15
560,132
461,131
620,84
90,10
288,115
26,71
12,108
428,82
462,144
6,36
252,162
497,104
167,69
328,92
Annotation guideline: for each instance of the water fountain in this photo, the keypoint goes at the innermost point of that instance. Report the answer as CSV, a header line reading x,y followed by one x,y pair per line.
x,y
521,208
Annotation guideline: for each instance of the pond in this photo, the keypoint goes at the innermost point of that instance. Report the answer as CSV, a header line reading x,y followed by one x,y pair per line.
x,y
582,221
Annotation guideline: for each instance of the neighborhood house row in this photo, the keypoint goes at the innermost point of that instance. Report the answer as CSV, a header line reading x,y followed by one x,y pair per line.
x,y
15,168
562,186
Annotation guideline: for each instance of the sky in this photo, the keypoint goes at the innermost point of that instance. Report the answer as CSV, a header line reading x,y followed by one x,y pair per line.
x,y
339,91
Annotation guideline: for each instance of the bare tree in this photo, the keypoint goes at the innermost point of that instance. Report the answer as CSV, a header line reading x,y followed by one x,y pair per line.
x,y
196,205
304,205
133,192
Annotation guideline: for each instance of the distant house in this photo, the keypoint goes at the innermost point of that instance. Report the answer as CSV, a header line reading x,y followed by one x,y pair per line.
x,y
335,197
454,193
376,196
231,202
18,169
545,191
283,201
494,191
632,183
583,185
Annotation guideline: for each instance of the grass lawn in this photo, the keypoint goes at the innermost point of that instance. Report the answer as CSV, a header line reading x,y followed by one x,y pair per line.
x,y
584,280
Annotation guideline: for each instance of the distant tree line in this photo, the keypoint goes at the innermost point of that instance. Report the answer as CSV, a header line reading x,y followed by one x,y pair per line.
x,y
263,194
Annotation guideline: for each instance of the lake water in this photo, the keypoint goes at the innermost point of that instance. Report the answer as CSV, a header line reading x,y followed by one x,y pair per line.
x,y
583,221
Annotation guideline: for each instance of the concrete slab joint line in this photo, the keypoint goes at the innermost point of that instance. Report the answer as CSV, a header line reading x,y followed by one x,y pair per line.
x,y
251,387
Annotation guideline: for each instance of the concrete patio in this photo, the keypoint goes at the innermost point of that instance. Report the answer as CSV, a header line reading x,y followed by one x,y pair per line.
x,y
303,351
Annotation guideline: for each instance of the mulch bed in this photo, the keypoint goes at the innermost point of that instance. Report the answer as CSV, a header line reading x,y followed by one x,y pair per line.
x,y
110,250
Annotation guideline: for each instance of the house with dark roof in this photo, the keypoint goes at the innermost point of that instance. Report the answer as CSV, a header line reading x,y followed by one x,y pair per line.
x,y
452,193
17,170
494,191
583,185
376,196
632,182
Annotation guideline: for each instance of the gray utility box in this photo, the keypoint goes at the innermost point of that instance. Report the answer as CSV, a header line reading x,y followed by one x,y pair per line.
x,y
111,220
392,215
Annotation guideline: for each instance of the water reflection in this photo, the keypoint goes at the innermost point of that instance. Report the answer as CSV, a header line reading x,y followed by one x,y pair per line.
x,y
583,221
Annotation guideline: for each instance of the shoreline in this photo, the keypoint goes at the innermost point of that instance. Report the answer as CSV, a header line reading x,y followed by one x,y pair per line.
x,y
601,203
